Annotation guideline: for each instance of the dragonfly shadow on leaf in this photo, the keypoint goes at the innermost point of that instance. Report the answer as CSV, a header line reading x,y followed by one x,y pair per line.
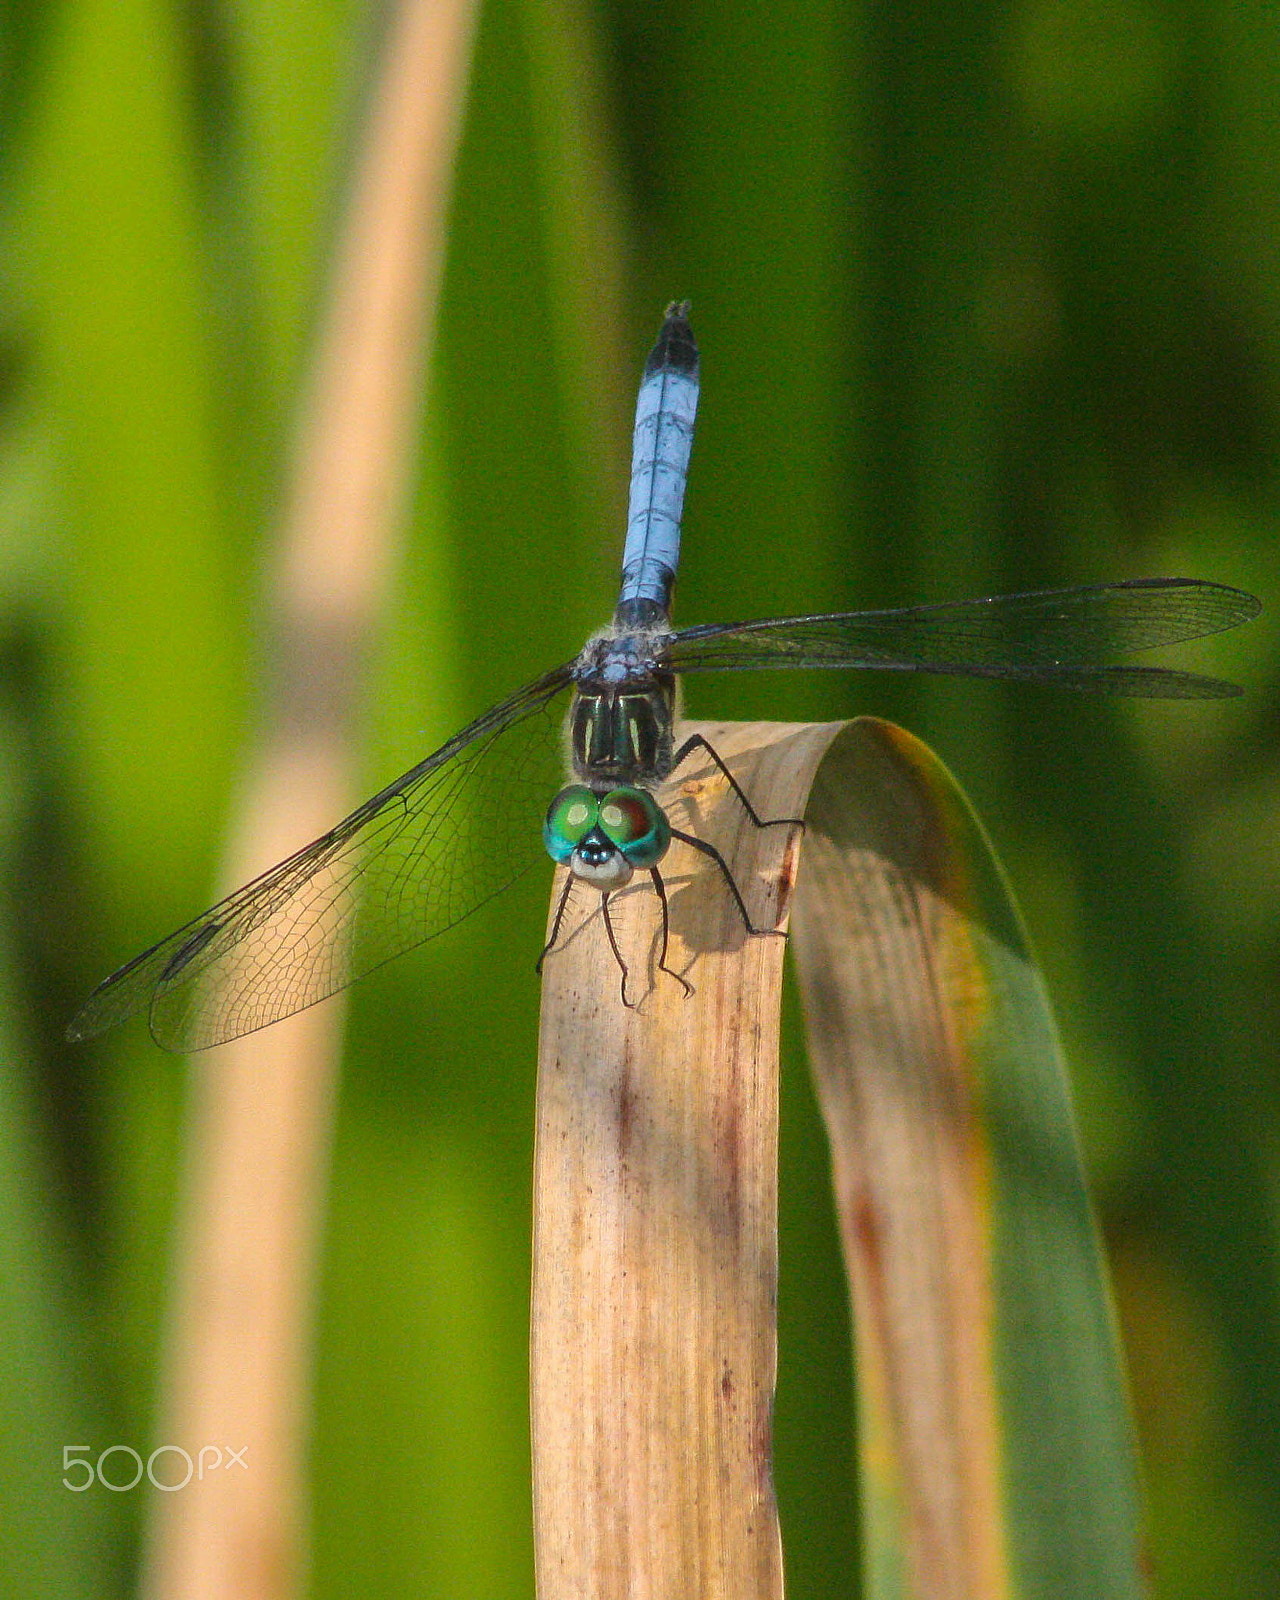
x,y
703,912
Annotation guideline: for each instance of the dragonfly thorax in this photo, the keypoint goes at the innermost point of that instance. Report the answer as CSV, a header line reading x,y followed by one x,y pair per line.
x,y
622,736
621,720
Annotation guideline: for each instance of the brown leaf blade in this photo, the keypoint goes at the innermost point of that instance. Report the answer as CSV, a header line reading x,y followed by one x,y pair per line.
x,y
655,1200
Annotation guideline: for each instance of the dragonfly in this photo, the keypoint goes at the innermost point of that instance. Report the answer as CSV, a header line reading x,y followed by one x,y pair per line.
x,y
462,825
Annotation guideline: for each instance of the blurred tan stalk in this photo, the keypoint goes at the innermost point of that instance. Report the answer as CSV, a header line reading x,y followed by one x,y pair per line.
x,y
240,1330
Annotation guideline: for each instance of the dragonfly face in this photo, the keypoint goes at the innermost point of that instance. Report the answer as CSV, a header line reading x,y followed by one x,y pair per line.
x,y
603,838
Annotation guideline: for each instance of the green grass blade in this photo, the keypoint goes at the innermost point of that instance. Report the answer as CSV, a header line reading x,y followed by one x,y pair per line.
x,y
995,1443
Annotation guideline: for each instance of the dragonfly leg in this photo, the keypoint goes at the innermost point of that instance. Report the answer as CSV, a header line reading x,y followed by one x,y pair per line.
x,y
555,926
710,850
662,958
696,741
613,945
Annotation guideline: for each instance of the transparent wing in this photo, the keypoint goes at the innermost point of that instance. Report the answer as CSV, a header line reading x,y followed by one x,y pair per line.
x,y
1064,637
411,862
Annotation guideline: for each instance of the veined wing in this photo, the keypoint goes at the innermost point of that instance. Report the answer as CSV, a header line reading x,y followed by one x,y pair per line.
x,y
411,862
1064,637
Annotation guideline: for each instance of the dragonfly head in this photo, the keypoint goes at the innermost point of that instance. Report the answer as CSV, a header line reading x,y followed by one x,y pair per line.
x,y
604,836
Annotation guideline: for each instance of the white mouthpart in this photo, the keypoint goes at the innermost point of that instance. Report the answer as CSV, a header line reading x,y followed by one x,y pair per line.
x,y
614,872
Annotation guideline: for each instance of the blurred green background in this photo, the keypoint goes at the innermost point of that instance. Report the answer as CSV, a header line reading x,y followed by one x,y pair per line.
x,y
988,299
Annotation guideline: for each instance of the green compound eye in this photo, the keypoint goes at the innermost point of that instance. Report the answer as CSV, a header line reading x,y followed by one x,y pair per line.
x,y
634,821
571,815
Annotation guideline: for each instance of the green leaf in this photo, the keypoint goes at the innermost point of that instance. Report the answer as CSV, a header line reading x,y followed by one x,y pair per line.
x,y
995,1443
